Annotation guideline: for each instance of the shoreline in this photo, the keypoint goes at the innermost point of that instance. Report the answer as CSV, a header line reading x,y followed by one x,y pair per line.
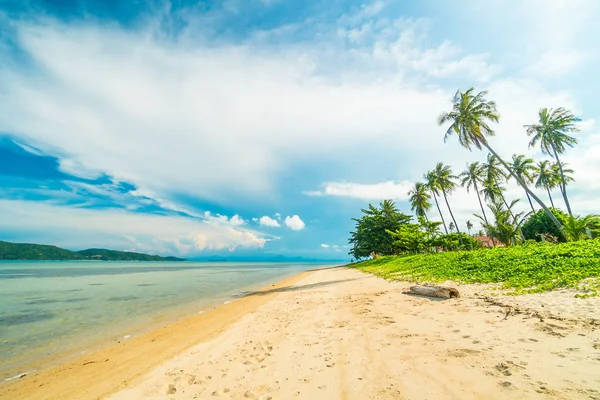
x,y
108,368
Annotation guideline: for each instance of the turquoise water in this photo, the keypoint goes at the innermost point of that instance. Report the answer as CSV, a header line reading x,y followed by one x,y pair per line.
x,y
49,308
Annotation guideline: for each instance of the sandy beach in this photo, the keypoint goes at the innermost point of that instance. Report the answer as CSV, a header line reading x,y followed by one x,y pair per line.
x,y
341,334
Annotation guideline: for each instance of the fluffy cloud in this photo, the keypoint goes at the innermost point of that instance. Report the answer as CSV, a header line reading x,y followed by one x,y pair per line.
x,y
376,191
294,222
267,221
121,229
325,246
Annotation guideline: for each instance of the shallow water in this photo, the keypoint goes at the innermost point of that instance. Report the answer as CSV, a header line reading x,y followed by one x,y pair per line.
x,y
48,308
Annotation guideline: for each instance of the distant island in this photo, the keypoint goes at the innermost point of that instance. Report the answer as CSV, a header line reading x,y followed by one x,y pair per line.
x,y
28,251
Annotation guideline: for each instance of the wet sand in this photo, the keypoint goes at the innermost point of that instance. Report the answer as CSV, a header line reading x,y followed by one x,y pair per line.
x,y
341,334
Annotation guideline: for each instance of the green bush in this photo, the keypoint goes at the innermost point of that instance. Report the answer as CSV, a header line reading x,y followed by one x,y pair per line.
x,y
528,268
539,223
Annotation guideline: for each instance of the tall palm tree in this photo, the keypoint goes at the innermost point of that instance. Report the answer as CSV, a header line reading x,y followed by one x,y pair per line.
x,y
552,133
470,178
420,200
469,121
469,227
445,181
432,185
565,177
451,226
524,168
492,192
546,177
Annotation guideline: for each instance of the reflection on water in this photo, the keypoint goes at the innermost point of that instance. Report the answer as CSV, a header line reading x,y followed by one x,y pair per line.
x,y
40,316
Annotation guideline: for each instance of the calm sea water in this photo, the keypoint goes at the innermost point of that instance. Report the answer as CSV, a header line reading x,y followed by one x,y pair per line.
x,y
50,308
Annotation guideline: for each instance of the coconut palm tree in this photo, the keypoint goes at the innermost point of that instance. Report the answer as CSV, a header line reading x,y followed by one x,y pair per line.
x,y
507,224
432,185
546,177
445,181
552,133
471,177
420,200
576,227
469,119
469,227
451,226
492,192
565,177
524,168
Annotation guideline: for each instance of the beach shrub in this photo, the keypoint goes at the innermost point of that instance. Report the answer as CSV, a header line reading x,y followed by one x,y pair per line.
x,y
528,268
540,224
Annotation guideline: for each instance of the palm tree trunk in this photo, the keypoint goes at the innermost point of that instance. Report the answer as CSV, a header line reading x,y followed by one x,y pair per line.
x,y
563,185
440,211
524,186
480,203
549,195
530,203
450,210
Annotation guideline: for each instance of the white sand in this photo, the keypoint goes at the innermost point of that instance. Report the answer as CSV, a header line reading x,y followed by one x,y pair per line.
x,y
341,334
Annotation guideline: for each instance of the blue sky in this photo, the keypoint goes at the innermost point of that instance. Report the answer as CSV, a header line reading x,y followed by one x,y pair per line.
x,y
262,127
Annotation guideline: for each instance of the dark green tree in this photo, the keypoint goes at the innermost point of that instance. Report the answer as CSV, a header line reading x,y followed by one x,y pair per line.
x,y
538,225
371,231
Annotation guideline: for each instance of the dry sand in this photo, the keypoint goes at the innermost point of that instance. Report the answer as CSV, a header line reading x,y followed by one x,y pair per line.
x,y
341,334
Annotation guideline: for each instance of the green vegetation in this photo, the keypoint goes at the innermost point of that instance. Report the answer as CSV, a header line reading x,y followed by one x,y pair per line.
x,y
402,250
529,268
27,251
539,227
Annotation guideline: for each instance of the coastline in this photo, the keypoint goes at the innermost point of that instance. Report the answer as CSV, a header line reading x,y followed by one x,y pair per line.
x,y
107,369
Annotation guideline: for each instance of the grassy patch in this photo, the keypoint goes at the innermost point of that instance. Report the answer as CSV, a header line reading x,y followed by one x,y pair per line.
x,y
529,268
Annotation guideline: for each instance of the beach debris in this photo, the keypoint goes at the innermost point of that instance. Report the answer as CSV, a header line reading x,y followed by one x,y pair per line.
x,y
434,291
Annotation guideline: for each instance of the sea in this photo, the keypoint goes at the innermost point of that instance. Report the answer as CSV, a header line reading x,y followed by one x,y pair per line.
x,y
54,309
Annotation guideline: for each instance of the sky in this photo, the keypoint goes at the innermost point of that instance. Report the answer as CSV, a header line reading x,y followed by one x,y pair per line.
x,y
261,127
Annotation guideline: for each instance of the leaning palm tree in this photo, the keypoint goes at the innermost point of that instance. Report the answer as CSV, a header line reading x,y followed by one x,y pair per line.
x,y
470,178
546,177
524,168
445,180
420,199
469,121
552,133
433,186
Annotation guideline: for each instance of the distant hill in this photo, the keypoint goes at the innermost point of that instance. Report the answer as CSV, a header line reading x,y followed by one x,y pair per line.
x,y
28,251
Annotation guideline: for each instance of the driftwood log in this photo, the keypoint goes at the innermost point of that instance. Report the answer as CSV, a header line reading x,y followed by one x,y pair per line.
x,y
434,291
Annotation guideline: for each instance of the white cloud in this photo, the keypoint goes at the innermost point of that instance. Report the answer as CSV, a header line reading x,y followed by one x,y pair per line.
x,y
160,118
325,246
267,221
294,222
121,229
376,191
236,220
